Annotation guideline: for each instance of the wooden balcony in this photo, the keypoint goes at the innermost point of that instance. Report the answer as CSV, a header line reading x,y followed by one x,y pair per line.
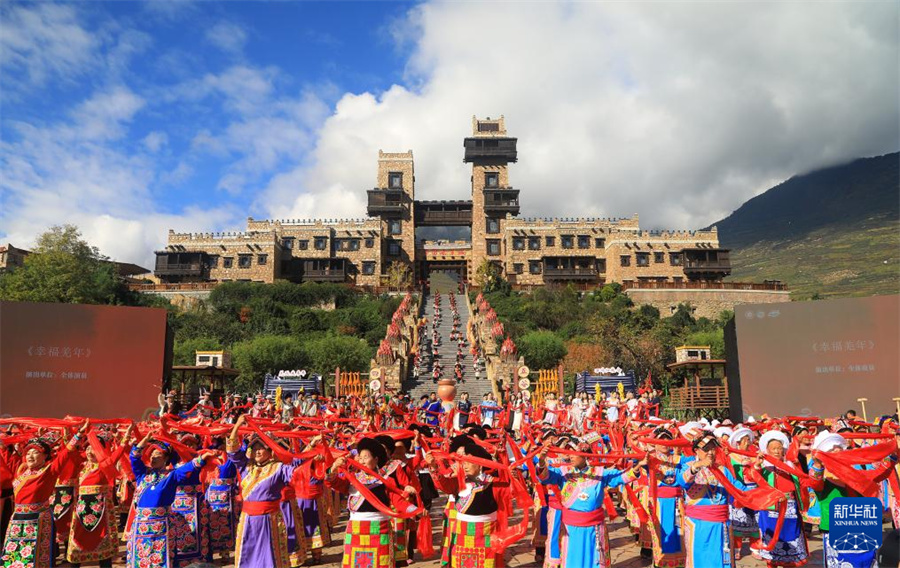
x,y
570,268
179,270
170,264
443,213
698,397
491,150
709,264
325,270
385,202
501,201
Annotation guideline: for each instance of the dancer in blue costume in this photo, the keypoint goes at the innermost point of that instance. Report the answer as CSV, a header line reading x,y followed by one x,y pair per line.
x,y
707,534
150,543
581,488
667,547
791,550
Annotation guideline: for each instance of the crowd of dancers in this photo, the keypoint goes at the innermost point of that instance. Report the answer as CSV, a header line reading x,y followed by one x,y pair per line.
x,y
264,484
428,359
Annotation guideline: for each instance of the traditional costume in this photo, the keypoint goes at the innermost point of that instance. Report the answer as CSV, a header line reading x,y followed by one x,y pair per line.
x,y
707,534
151,540
220,496
93,535
29,538
261,538
586,540
369,537
791,549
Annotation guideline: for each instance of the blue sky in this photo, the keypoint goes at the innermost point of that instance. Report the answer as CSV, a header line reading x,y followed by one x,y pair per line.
x,y
133,118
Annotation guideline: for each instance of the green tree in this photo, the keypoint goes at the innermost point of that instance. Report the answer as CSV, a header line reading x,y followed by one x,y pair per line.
x,y
63,268
183,351
348,353
266,354
542,349
715,339
399,276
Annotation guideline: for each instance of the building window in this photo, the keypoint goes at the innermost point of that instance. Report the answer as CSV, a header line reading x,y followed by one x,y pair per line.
x,y
601,266
518,243
261,259
550,241
303,245
493,247
395,227
491,179
368,267
227,262
584,241
518,268
347,244
675,258
534,243
394,249
288,243
395,180
321,243
245,260
370,243
492,226
625,259
534,266
599,243
659,257
643,258
212,261
567,241
677,279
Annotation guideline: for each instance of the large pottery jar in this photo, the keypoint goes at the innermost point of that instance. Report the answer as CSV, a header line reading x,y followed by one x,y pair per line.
x,y
446,390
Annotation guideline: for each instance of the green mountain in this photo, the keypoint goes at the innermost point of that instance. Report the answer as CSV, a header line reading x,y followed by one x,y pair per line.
x,y
831,232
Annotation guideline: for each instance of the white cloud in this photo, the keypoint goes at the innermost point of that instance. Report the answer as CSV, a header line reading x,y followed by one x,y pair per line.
x,y
105,115
228,37
679,112
76,171
155,141
42,42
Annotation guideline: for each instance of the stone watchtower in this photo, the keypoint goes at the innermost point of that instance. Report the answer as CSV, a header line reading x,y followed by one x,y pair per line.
x,y
490,152
393,202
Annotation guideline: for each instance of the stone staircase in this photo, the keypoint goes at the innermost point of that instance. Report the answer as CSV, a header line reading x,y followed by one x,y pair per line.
x,y
425,384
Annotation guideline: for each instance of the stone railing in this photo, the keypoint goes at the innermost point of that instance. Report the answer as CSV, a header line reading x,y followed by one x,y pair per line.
x,y
398,348
501,358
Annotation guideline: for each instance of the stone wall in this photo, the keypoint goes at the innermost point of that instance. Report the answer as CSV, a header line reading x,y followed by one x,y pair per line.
x,y
706,303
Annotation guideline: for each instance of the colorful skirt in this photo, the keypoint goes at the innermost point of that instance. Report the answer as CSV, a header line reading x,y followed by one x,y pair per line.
x,y
743,522
315,523
63,500
369,544
222,516
813,514
553,550
149,545
668,551
93,536
261,541
790,550
296,539
707,544
585,546
190,524
470,546
29,537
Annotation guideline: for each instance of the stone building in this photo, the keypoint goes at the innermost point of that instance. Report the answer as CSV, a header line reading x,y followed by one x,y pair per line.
x,y
527,251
